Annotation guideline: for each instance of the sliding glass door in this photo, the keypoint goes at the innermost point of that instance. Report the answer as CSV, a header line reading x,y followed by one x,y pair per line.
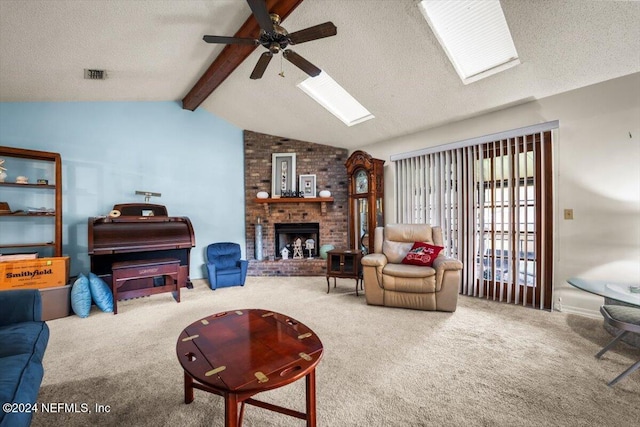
x,y
494,203
514,214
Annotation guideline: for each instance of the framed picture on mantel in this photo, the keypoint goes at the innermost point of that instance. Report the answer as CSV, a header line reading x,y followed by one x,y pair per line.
x,y
283,173
307,185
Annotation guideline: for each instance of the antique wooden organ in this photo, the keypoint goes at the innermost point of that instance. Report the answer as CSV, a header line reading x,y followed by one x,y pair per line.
x,y
139,232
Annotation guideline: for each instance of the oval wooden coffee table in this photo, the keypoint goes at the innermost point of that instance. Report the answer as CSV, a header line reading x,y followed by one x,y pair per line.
x,y
237,354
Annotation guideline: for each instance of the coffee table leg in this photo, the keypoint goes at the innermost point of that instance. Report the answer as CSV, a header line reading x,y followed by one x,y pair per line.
x,y
230,410
311,398
188,388
241,414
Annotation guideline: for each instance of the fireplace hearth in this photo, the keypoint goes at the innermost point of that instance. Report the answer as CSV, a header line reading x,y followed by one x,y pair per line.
x,y
286,235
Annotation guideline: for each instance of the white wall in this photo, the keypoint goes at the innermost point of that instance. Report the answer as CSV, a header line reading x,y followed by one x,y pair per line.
x,y
597,174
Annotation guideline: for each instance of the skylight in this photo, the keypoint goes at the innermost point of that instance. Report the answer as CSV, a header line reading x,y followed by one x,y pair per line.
x,y
474,34
328,93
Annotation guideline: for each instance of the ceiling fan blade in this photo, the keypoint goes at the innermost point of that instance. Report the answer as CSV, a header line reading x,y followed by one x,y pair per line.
x,y
261,65
301,63
313,33
259,9
229,40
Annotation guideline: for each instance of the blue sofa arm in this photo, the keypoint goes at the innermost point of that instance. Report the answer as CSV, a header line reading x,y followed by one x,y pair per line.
x,y
23,305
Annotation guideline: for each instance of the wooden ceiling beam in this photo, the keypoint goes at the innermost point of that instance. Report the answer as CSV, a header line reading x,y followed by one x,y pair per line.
x,y
233,55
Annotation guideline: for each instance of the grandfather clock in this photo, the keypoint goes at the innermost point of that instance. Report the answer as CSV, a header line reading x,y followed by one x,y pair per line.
x,y
366,199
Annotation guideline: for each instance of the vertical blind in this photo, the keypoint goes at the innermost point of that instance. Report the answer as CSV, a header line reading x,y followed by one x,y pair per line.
x,y
493,200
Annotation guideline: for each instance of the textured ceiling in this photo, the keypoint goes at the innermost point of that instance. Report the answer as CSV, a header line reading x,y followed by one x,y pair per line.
x,y
384,54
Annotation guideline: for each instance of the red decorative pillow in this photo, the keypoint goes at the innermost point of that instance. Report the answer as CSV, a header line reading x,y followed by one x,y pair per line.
x,y
422,254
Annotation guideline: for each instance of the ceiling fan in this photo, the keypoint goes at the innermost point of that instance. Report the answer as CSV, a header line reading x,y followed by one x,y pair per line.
x,y
275,39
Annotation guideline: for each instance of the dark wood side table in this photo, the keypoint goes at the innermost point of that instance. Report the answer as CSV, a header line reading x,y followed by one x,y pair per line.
x,y
344,264
237,354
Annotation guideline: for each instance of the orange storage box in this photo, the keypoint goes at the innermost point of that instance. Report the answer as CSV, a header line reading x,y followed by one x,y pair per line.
x,y
34,273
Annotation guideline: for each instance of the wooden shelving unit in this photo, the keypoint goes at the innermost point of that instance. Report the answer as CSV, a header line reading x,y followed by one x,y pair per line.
x,y
53,161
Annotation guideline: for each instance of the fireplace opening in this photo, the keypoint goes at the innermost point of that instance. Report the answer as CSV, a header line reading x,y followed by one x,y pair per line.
x,y
302,240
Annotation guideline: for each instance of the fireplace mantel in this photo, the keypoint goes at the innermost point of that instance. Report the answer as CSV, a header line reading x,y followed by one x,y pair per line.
x,y
295,200
322,200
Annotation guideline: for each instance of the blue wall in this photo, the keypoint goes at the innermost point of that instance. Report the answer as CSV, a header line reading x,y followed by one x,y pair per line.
x,y
111,149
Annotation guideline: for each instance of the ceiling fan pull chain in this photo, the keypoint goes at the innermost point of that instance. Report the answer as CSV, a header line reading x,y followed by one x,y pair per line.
x,y
281,73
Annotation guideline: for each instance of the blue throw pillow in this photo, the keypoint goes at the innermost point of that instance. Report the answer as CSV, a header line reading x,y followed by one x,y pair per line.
x,y
81,296
101,293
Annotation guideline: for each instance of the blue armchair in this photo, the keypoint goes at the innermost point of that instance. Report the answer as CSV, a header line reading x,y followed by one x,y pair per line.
x,y
224,266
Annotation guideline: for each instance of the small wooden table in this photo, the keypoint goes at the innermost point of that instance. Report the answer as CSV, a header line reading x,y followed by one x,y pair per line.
x,y
237,354
344,264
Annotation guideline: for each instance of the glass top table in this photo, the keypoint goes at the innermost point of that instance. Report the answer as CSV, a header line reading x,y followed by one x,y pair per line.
x,y
623,292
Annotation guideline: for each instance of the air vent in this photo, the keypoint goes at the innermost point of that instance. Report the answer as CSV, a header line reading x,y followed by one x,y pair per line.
x,y
95,74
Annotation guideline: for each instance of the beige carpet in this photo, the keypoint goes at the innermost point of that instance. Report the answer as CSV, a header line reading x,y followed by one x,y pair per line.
x,y
487,364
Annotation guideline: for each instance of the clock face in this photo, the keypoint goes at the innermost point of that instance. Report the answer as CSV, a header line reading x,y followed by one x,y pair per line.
x,y
362,182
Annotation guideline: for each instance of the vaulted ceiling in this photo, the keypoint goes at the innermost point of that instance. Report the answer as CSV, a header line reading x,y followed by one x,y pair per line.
x,y
384,54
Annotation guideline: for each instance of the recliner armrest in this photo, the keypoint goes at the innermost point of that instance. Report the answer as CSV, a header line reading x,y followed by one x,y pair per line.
x,y
374,260
447,266
447,263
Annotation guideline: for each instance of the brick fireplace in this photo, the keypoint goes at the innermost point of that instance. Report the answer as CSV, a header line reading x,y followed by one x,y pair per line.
x,y
327,163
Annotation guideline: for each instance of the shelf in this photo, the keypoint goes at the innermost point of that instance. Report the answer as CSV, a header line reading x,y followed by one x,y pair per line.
x,y
322,200
24,214
296,200
14,184
28,245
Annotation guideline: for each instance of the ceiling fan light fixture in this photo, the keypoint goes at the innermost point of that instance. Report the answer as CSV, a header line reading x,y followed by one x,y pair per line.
x,y
274,48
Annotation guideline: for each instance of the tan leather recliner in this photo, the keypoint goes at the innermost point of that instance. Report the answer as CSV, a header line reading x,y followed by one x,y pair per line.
x,y
390,283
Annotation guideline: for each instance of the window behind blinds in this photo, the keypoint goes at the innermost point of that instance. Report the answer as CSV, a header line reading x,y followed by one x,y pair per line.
x,y
493,199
